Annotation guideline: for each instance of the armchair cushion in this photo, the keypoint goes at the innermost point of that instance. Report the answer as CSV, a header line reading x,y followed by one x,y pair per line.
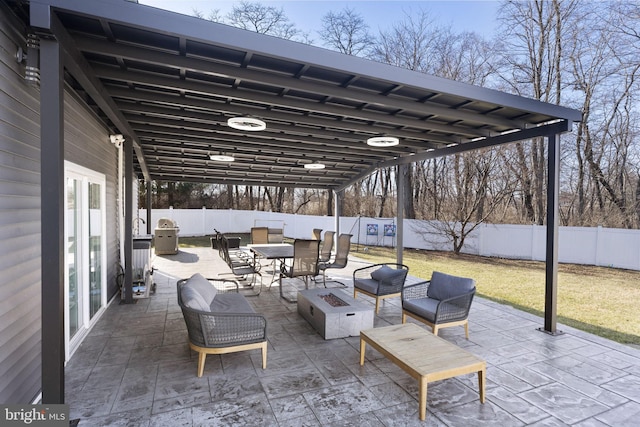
x,y
386,273
230,303
444,286
191,298
201,285
423,307
367,285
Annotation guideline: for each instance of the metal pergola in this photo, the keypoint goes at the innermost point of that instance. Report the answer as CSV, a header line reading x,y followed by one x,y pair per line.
x,y
169,82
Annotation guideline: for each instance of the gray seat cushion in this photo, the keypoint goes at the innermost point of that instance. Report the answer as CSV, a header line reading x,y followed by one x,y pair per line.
x,y
444,286
423,307
367,285
231,303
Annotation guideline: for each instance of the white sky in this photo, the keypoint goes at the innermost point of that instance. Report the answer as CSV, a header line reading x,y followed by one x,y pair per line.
x,y
462,15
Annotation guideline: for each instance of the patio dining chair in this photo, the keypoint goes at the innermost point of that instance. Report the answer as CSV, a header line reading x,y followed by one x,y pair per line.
x,y
259,235
304,265
242,267
340,260
316,233
327,247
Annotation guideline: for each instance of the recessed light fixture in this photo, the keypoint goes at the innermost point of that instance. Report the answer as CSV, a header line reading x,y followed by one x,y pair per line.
x,y
383,141
221,158
247,123
314,166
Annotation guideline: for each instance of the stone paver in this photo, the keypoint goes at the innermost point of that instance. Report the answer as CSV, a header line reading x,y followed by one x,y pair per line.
x,y
135,368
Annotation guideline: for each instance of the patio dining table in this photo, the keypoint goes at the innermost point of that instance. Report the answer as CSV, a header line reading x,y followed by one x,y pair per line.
x,y
274,252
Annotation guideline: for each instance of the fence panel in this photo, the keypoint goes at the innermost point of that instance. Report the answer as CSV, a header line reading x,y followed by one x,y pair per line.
x,y
609,247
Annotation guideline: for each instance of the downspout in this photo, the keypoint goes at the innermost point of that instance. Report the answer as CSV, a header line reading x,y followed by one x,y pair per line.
x,y
117,140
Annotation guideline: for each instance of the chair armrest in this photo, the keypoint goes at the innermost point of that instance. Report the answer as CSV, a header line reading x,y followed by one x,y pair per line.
x,y
460,300
210,329
418,290
222,330
365,272
225,285
455,308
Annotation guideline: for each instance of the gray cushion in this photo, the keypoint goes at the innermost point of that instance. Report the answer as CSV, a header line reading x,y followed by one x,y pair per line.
x,y
368,285
191,298
206,290
423,307
386,273
231,303
444,286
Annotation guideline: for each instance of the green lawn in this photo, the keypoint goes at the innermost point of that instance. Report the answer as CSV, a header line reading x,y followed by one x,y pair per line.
x,y
599,300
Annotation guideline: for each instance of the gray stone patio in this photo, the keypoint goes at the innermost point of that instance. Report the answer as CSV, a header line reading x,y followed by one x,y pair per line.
x,y
135,369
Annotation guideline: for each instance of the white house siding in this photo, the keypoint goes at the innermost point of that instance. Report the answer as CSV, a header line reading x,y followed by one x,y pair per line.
x,y
87,144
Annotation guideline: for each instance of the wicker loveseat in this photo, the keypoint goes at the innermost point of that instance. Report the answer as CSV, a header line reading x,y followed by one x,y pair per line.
x,y
219,319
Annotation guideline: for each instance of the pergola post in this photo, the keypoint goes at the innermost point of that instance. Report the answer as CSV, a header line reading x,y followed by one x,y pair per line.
x,y
402,170
148,189
337,209
52,198
551,274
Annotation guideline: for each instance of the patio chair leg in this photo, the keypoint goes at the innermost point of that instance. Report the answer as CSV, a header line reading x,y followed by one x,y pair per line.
x,y
324,280
201,359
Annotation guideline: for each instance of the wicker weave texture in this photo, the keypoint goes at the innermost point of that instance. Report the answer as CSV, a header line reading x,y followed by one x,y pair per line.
x,y
210,329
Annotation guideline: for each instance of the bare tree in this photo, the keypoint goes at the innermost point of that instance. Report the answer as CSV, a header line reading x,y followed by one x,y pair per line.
x,y
254,16
532,66
470,197
347,32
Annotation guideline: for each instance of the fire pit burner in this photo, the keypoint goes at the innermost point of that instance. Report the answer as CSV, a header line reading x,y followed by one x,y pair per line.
x,y
333,300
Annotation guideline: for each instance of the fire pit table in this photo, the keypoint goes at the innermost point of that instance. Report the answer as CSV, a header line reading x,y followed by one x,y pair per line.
x,y
333,313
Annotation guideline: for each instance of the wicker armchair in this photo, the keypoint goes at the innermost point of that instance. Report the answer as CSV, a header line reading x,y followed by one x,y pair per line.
x,y
442,302
219,319
380,281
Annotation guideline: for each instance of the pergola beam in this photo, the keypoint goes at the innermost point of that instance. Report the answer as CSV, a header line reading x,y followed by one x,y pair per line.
x,y
192,64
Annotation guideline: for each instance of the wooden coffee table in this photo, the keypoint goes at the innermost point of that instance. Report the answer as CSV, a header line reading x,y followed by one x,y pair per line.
x,y
424,356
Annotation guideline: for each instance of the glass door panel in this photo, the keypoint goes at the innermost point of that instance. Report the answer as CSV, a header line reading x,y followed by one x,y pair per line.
x,y
74,254
95,248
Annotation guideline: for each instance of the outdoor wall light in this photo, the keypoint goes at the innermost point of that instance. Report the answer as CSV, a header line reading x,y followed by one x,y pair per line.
x,y
31,59
116,138
383,141
314,166
221,158
247,123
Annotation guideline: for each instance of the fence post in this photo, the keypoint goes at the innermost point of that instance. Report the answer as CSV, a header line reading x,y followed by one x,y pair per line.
x,y
596,246
204,220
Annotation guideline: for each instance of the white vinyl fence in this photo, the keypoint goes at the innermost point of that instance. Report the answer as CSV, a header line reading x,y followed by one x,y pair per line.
x,y
619,248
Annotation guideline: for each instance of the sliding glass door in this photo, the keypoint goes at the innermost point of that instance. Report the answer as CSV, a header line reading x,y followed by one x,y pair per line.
x,y
85,256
